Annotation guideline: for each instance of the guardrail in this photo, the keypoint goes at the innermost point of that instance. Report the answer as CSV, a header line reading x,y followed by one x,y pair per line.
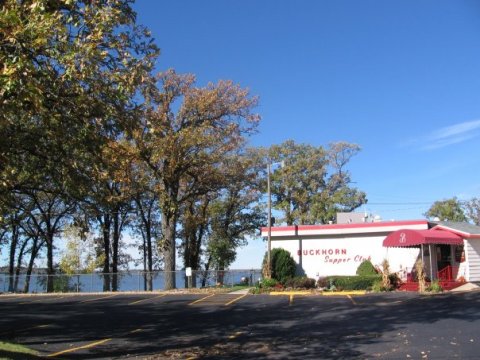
x,y
124,281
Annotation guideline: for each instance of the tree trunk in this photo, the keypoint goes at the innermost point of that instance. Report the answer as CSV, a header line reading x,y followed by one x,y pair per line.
x,y
50,270
19,264
150,257
106,251
116,240
205,274
220,275
11,262
146,218
144,248
33,256
169,221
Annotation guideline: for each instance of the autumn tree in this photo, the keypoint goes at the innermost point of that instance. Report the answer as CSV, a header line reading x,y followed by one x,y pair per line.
x,y
187,132
447,210
314,184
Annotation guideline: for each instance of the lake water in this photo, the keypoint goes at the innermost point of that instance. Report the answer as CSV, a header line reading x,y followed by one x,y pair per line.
x,y
127,281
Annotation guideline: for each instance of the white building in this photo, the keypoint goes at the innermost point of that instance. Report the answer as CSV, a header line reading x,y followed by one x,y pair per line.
x,y
338,249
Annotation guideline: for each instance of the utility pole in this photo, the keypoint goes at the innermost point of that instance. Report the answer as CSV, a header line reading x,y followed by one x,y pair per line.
x,y
269,249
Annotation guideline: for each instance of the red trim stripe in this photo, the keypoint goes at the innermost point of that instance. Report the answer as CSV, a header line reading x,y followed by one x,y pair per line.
x,y
345,226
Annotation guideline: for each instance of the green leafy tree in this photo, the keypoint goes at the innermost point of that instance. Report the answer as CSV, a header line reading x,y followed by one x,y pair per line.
x,y
472,208
313,185
447,210
79,255
223,219
70,71
71,75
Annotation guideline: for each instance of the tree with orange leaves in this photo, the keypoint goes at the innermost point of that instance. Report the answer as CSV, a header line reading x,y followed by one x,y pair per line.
x,y
186,135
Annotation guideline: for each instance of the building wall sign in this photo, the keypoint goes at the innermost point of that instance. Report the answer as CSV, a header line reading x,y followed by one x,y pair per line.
x,y
334,256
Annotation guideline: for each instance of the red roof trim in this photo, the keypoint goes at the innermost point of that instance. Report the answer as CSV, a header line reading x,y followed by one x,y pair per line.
x,y
346,226
280,228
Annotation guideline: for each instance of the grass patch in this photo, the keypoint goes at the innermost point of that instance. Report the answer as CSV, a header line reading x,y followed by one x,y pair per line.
x,y
238,287
9,351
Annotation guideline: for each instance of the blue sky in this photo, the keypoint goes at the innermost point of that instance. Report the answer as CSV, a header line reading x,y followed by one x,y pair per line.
x,y
399,78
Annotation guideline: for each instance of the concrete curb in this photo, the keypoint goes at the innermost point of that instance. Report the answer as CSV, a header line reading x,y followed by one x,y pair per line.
x,y
240,292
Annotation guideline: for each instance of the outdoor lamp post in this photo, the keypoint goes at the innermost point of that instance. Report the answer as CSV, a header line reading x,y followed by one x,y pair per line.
x,y
269,219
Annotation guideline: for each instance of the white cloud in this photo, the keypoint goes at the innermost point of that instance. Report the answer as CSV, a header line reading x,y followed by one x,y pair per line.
x,y
450,135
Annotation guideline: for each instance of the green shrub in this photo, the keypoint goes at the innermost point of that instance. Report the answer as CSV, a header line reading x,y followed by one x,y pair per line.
x,y
301,282
323,282
268,283
353,282
377,286
395,281
434,287
283,265
366,268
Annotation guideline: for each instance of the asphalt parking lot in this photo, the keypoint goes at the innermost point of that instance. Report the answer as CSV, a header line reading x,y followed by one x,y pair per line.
x,y
187,326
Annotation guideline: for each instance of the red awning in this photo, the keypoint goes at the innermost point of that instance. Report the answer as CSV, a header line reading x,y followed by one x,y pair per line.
x,y
407,237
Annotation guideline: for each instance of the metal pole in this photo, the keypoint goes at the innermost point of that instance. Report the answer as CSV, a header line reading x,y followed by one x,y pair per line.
x,y
269,251
421,249
431,267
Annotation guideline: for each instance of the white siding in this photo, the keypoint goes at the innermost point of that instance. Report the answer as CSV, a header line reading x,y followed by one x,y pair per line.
x,y
341,256
472,252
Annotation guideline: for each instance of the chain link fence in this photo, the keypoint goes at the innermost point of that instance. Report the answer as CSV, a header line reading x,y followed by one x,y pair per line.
x,y
124,281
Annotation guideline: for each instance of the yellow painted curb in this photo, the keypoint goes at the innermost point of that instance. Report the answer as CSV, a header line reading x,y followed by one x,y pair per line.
x,y
277,293
343,293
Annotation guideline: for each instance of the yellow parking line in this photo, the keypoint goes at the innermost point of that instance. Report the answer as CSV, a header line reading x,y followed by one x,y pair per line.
x,y
290,302
236,299
99,298
197,301
88,346
351,299
25,329
235,335
150,298
344,293
135,331
44,300
300,292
